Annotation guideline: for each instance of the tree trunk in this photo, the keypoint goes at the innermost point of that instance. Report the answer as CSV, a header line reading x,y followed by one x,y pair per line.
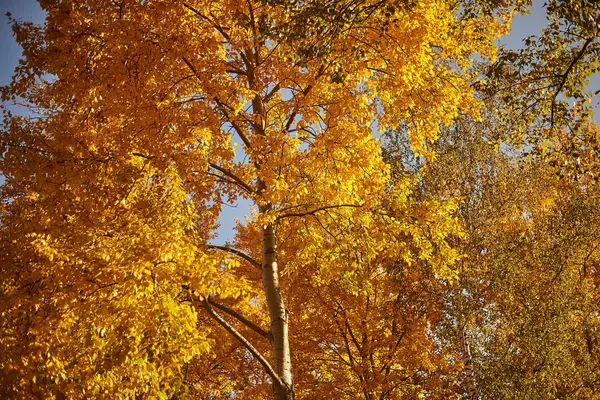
x,y
280,346
470,384
282,363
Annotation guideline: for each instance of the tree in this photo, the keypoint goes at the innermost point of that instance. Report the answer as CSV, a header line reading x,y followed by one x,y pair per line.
x,y
540,82
146,116
522,317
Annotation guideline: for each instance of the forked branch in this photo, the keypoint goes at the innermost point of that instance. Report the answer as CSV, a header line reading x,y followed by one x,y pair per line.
x,y
255,353
235,178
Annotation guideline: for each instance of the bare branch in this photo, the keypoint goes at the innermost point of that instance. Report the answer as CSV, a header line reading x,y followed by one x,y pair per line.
x,y
145,156
234,70
271,93
99,287
254,33
346,343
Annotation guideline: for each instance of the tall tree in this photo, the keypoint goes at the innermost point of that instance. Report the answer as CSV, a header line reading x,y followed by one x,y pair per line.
x,y
145,116
539,82
523,316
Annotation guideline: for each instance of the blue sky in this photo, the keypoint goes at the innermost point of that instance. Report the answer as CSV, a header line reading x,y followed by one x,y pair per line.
x,y
523,26
11,52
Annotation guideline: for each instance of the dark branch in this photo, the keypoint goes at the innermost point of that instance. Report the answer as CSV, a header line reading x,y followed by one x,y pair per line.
x,y
237,253
231,175
240,318
222,107
259,357
100,287
305,92
566,74
233,123
204,17
271,93
316,210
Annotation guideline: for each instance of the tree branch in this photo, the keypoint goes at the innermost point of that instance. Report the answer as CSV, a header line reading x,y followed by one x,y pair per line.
x,y
99,287
271,93
305,92
231,175
222,107
316,210
237,253
233,123
565,75
204,17
241,318
259,357
346,343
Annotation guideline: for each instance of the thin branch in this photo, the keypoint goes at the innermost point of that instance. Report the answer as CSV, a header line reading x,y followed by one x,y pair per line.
x,y
259,357
316,210
231,175
99,287
390,357
222,178
204,17
241,318
238,129
271,93
177,82
347,324
324,227
254,33
144,156
304,92
271,52
565,75
233,70
237,253
294,113
346,343
192,68
221,106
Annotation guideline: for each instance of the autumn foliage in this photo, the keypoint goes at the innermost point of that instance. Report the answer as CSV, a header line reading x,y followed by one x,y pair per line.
x,y
409,236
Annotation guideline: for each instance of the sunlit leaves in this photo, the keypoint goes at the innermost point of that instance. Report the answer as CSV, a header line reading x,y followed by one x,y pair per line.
x,y
115,181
